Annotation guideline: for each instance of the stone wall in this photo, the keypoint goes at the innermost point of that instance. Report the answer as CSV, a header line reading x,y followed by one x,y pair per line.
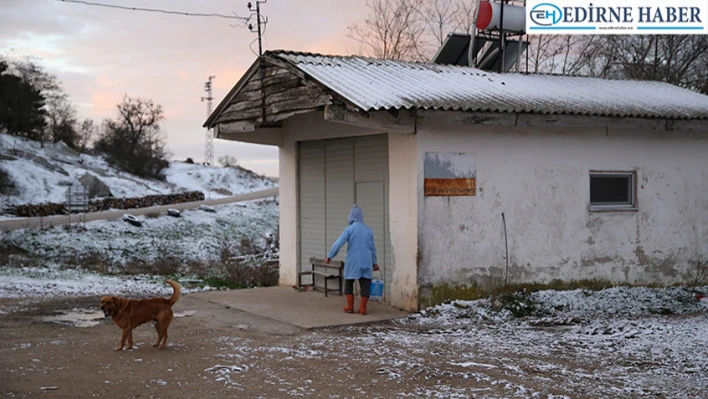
x,y
49,209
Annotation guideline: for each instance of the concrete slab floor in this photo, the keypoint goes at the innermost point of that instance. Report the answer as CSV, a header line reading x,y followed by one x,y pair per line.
x,y
309,309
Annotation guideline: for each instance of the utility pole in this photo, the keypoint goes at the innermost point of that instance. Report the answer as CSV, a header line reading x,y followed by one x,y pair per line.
x,y
209,148
261,23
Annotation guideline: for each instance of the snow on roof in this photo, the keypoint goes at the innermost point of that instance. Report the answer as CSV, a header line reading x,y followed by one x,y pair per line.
x,y
374,84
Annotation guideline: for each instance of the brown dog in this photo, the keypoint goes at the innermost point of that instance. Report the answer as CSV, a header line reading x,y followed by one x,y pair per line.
x,y
130,313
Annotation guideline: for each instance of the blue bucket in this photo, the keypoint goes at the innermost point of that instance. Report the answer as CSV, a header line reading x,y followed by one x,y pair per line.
x,y
377,289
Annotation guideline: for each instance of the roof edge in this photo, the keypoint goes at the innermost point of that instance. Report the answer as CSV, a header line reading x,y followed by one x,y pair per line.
x,y
209,123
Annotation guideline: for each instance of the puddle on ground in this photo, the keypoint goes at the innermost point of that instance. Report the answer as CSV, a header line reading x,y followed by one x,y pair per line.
x,y
77,318
90,317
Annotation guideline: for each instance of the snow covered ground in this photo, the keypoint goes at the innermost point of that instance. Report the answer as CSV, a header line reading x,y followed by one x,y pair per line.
x,y
196,235
215,182
43,175
54,282
605,344
588,344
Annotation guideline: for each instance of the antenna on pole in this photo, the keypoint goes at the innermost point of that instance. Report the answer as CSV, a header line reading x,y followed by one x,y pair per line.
x,y
261,23
209,148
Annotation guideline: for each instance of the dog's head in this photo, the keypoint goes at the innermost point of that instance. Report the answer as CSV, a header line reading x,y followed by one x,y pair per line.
x,y
109,304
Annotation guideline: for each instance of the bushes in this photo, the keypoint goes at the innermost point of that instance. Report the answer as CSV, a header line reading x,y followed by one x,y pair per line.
x,y
243,265
134,141
239,264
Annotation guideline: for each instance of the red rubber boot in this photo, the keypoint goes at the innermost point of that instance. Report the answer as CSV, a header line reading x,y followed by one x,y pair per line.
x,y
350,304
362,305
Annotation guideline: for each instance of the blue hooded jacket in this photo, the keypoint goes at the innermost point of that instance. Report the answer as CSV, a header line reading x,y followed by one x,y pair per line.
x,y
361,251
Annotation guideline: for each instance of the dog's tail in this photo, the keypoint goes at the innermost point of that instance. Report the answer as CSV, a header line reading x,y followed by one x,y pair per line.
x,y
178,291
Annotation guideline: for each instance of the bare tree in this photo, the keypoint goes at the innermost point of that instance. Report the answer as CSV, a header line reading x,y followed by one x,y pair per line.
x,y
438,18
392,29
31,72
134,141
561,54
61,120
410,30
86,132
228,161
465,16
60,111
677,59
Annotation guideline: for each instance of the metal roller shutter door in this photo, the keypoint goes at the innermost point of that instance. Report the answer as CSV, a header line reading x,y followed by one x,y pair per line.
x,y
334,174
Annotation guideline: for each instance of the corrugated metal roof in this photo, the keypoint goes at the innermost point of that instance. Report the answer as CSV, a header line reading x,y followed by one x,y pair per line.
x,y
374,84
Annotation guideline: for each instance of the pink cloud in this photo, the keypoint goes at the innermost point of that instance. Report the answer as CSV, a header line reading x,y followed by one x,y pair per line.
x,y
101,54
183,74
103,104
108,82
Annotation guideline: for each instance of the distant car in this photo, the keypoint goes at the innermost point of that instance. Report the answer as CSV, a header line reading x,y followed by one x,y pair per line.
x,y
207,208
132,220
174,213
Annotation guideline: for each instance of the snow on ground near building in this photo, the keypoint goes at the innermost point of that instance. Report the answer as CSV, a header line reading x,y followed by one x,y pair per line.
x,y
589,344
614,348
43,174
52,281
196,235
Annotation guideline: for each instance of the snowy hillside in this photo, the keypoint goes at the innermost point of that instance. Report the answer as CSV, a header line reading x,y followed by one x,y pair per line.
x,y
215,182
195,236
32,174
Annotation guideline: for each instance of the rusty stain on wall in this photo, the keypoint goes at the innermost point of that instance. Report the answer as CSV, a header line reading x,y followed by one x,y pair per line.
x,y
450,187
450,174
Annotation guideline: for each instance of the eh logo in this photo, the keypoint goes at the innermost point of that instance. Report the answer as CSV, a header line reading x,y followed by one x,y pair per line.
x,y
546,14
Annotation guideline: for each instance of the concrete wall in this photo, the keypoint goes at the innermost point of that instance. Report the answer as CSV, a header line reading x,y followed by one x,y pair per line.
x,y
540,180
403,218
288,211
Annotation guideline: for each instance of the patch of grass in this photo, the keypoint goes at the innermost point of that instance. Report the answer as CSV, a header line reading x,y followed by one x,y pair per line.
x,y
241,261
520,304
250,272
698,270
446,292
161,266
219,282
13,255
8,250
74,228
93,260
558,285
152,215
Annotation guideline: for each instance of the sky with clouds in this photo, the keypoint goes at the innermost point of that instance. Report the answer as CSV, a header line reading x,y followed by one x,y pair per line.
x,y
101,54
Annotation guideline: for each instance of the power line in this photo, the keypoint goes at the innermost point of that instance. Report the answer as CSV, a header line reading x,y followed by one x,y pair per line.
x,y
156,10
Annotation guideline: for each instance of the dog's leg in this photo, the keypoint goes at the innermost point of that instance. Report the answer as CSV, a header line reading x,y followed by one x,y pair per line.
x,y
164,325
164,339
123,337
130,339
159,335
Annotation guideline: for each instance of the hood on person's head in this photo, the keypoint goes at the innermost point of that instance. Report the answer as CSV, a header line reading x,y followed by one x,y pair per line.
x,y
356,215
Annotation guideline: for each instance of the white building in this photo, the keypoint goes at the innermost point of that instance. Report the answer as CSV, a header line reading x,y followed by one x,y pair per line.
x,y
596,179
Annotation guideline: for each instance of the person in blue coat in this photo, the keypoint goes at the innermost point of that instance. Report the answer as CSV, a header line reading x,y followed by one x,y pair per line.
x,y
361,258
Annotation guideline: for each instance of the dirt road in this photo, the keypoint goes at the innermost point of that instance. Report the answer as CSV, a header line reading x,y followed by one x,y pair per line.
x,y
26,223
214,351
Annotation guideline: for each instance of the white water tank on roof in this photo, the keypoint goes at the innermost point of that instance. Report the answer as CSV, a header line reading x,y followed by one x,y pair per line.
x,y
489,17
